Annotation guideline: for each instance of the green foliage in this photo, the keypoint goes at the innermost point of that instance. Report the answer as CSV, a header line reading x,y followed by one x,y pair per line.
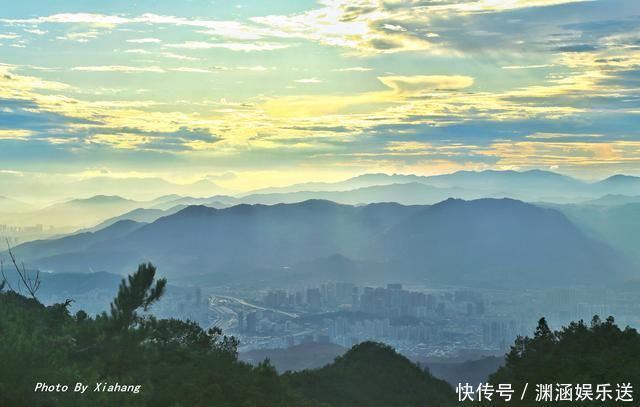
x,y
134,294
577,354
371,374
177,363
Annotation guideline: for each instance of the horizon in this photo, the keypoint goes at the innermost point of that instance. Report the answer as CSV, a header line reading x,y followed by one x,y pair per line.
x,y
43,203
217,91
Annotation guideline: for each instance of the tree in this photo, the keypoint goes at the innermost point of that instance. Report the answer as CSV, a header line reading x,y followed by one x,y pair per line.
x,y
136,292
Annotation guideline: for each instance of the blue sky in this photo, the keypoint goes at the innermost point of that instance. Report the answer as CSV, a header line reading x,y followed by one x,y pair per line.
x,y
255,93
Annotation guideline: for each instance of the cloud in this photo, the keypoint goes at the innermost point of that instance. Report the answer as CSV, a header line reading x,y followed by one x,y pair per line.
x,y
233,46
72,18
178,56
533,153
137,51
545,136
145,40
118,68
352,69
224,29
190,70
528,66
17,134
308,80
256,68
417,84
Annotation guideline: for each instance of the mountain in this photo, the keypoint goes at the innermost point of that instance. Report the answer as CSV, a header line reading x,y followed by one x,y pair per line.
x,y
140,188
471,371
218,201
75,243
311,355
140,215
315,355
201,238
78,213
589,351
619,184
528,185
412,193
487,242
371,374
613,200
361,181
617,225
498,242
13,205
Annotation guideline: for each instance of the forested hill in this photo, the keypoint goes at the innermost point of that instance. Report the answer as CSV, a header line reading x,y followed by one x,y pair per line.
x,y
579,354
177,363
371,374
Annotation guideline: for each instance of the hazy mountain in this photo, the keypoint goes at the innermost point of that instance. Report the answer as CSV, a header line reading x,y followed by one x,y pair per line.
x,y
613,200
500,242
361,181
315,355
311,355
141,215
77,213
617,225
52,188
218,201
528,185
472,371
487,242
104,210
75,243
619,184
13,205
407,194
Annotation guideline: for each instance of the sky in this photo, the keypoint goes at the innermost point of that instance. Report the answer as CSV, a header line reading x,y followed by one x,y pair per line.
x,y
248,94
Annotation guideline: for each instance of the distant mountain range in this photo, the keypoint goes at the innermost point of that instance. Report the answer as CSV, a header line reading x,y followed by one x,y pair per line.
x,y
617,224
101,210
315,355
531,186
487,242
13,206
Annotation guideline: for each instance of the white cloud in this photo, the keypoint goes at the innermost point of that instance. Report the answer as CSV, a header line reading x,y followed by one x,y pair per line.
x,y
257,68
137,51
36,31
545,136
308,80
178,56
528,66
118,68
233,46
353,69
191,70
6,134
145,40
422,83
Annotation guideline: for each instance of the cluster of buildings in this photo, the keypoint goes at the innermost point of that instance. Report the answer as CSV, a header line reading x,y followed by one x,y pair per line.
x,y
428,321
19,234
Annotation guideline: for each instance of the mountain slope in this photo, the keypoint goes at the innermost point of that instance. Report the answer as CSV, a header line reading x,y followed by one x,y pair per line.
x,y
75,243
371,374
412,193
487,242
530,185
498,242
